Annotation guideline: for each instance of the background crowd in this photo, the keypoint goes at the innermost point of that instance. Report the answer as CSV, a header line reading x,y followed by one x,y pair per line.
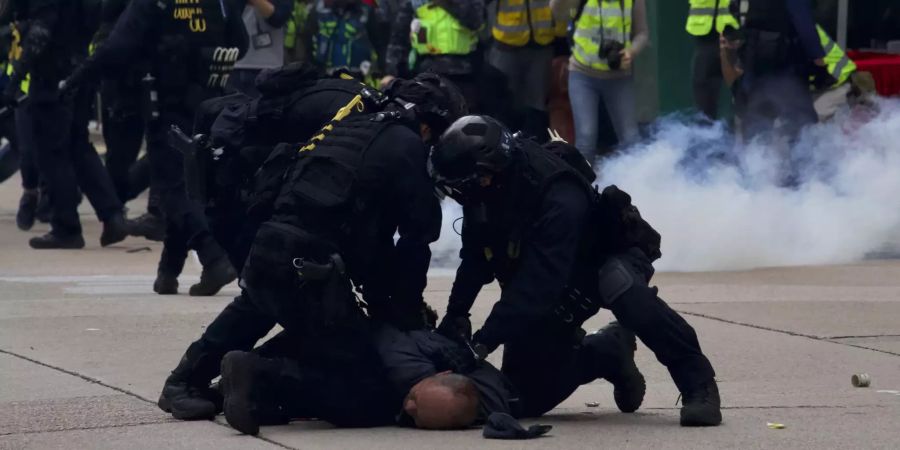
x,y
536,65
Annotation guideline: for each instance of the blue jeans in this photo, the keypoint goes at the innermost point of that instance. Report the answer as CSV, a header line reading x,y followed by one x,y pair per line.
x,y
585,94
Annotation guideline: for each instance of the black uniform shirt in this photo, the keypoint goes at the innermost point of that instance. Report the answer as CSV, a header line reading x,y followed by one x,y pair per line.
x,y
136,36
546,264
409,357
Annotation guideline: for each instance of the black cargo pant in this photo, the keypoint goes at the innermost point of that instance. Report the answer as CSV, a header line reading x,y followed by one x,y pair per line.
x,y
548,366
707,75
271,293
622,287
318,378
123,132
57,129
186,225
31,176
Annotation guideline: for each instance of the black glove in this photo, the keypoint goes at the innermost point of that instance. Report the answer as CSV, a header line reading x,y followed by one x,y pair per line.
x,y
456,358
822,78
456,328
66,88
11,94
505,426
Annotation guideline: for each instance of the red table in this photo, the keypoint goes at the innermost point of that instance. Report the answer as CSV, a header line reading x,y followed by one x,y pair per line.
x,y
884,67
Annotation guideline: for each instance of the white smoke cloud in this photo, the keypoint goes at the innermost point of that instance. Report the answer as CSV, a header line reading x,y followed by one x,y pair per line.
x,y
719,207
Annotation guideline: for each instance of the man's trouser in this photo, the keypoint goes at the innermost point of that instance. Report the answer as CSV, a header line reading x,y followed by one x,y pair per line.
x,y
303,380
828,102
65,156
186,225
707,75
527,71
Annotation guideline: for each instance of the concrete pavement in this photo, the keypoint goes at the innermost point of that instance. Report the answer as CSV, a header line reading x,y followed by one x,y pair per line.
x,y
85,346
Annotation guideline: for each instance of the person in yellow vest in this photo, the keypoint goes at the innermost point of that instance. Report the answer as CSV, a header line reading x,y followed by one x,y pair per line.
x,y
31,178
608,36
832,87
523,33
443,35
707,19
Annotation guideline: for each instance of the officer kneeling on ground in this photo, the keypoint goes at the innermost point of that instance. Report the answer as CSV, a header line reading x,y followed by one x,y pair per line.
x,y
433,382
337,205
560,251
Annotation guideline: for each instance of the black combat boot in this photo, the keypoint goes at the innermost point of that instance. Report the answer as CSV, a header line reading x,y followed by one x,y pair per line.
x,y
171,263
115,229
165,284
53,240
217,270
27,209
149,226
245,377
701,406
186,393
628,383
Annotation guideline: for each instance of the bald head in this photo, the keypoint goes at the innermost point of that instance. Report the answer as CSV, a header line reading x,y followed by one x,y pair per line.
x,y
443,401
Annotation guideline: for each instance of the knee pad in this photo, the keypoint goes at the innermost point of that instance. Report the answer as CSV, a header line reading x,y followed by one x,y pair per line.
x,y
613,281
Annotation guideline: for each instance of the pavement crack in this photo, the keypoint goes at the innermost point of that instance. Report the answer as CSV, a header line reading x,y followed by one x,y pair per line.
x,y
789,333
863,336
98,427
76,374
115,388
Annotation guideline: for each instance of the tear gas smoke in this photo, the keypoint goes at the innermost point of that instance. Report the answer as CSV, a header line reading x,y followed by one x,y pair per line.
x,y
724,207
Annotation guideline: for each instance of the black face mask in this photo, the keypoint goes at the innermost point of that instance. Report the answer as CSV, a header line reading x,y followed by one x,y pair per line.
x,y
466,191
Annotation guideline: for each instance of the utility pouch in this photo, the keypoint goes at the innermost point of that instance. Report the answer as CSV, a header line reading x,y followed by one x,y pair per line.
x,y
622,227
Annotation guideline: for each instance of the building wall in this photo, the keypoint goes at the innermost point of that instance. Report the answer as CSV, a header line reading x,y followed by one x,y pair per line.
x,y
663,72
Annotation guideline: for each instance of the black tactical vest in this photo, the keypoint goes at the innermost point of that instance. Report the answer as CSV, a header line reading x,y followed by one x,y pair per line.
x,y
768,15
615,224
320,194
192,51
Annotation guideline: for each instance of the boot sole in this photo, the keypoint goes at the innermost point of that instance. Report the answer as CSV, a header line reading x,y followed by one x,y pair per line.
x,y
688,421
107,241
166,405
237,378
70,246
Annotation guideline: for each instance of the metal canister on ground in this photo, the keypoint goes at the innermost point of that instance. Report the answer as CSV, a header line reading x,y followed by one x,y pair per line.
x,y
861,380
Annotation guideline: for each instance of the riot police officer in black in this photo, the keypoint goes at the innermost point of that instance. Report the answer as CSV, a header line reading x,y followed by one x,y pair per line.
x,y
192,47
781,47
121,99
237,133
337,202
55,36
560,251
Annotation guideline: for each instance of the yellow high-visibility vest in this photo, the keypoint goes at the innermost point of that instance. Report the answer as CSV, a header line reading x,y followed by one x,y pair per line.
x,y
840,66
601,20
704,12
522,21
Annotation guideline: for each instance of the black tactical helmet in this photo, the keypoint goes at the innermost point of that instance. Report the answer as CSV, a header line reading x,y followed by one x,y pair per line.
x,y
436,101
472,146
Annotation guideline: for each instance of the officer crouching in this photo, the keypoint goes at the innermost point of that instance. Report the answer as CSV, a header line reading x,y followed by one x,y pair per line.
x,y
560,251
